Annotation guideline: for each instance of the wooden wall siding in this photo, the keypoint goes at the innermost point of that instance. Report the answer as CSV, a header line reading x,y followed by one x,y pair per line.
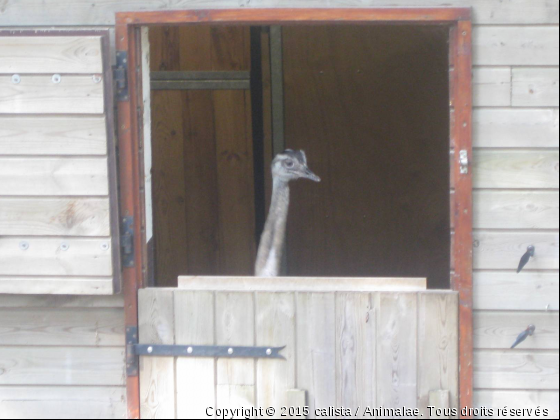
x,y
202,158
521,399
54,166
535,87
491,86
348,364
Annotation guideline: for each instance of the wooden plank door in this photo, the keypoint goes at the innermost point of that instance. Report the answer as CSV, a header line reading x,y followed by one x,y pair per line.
x,y
58,208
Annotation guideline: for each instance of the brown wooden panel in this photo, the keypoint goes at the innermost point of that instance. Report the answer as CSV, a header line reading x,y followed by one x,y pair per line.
x,y
369,105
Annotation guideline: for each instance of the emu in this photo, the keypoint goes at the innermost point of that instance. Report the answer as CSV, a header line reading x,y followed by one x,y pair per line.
x,y
286,166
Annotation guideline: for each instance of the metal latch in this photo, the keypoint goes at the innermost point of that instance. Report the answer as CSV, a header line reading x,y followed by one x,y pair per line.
x,y
464,162
120,74
127,241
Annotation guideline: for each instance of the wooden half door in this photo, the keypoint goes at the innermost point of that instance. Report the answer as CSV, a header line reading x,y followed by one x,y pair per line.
x,y
58,206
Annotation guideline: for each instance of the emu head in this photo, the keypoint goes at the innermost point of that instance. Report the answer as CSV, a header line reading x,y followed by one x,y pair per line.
x,y
291,165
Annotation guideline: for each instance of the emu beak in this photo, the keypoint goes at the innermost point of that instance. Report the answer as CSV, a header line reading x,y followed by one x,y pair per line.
x,y
310,175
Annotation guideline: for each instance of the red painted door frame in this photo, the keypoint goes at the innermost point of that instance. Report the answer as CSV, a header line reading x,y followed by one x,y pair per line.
x,y
130,140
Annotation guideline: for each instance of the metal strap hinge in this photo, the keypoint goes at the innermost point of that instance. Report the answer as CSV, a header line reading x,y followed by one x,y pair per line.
x,y
127,241
120,75
162,350
132,361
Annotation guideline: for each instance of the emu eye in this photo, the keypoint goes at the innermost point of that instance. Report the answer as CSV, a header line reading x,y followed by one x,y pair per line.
x,y
289,164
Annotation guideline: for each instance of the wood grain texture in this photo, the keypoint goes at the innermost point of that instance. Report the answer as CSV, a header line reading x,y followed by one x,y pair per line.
x,y
62,327
56,285
235,326
511,127
157,374
39,95
493,46
397,350
356,370
526,291
535,87
81,12
302,284
515,169
62,366
503,250
65,135
275,326
54,217
515,370
438,351
54,176
522,399
40,402
498,330
45,301
44,257
316,348
492,86
194,324
51,54
516,210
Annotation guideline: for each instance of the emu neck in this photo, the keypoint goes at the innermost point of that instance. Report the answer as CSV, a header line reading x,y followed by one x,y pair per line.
x,y
271,246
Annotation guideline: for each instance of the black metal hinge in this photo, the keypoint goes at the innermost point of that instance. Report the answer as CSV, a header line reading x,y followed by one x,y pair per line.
x,y
127,241
120,75
132,361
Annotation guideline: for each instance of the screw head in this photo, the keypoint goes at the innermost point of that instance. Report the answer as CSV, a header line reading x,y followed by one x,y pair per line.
x,y
56,79
16,79
230,351
150,350
189,350
64,246
96,78
268,352
24,245
105,246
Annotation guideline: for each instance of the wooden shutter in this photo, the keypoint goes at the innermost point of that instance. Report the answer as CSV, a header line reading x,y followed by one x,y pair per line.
x,y
58,206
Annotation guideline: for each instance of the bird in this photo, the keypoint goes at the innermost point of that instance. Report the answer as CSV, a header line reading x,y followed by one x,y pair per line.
x,y
523,336
525,258
287,166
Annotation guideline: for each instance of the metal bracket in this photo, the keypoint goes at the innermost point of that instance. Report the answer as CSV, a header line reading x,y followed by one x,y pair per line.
x,y
127,241
464,162
120,74
160,350
132,361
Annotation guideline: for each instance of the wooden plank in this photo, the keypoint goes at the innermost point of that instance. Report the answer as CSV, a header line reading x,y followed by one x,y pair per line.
x,y
492,86
515,169
235,326
439,399
503,250
39,95
275,326
81,12
535,87
511,45
302,284
54,217
438,348
194,324
51,54
41,301
516,210
316,349
545,400
355,351
157,374
505,369
102,366
62,327
44,257
515,128
396,350
57,285
37,402
498,330
526,291
63,135
54,176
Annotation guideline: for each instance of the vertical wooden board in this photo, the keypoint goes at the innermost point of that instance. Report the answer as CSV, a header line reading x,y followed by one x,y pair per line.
x,y
438,347
356,350
510,127
316,348
235,326
275,326
234,156
157,374
492,86
535,87
396,350
194,324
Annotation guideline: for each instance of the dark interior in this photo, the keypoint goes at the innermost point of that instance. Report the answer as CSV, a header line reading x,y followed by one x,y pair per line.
x,y
368,104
